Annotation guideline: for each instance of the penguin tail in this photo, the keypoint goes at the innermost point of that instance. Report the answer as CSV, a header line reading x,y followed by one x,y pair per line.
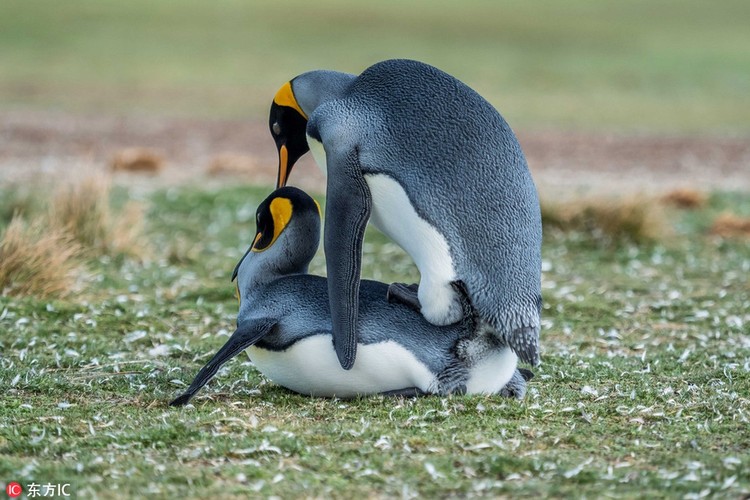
x,y
524,341
514,317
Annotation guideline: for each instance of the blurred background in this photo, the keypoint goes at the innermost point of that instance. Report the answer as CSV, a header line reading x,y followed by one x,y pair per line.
x,y
600,91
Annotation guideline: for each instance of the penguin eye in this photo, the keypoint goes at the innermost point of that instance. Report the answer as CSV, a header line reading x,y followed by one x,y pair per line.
x,y
276,128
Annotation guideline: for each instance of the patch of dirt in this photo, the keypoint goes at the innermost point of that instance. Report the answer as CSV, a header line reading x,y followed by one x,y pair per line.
x,y
573,163
49,146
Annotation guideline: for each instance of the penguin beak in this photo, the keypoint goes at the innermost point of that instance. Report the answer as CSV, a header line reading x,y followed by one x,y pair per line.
x,y
284,167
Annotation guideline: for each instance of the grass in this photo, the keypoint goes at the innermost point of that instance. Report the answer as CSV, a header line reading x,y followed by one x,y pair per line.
x,y
44,257
608,221
671,65
644,387
37,260
83,211
643,391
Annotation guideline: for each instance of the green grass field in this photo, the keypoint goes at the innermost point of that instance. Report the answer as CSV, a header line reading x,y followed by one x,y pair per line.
x,y
640,65
643,391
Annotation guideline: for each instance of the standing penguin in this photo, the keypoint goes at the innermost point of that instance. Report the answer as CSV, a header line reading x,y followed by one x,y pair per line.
x,y
439,171
285,324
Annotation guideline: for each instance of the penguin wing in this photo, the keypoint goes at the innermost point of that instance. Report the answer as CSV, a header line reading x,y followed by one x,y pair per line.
x,y
348,208
248,332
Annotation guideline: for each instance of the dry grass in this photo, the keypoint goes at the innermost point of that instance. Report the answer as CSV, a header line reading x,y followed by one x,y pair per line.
x,y
126,236
137,160
685,198
36,260
43,257
17,200
610,220
730,225
83,211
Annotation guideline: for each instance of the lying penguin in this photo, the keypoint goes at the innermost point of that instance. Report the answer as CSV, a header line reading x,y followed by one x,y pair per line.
x,y
438,170
285,324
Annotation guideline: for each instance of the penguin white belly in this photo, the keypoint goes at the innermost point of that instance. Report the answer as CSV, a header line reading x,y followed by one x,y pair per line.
x,y
492,372
319,153
310,366
394,214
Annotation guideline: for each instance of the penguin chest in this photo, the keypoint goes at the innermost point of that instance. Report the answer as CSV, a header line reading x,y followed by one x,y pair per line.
x,y
394,214
319,153
310,366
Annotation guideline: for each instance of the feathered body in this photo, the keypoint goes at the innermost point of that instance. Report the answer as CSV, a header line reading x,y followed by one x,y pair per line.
x,y
438,169
284,320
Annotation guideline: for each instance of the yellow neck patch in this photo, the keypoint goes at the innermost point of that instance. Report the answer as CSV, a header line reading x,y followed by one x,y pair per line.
x,y
281,211
285,97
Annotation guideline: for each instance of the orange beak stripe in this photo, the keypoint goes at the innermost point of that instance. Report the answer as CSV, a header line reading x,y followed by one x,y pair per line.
x,y
283,167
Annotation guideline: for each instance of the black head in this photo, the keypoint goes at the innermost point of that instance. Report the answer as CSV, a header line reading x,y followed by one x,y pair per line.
x,y
274,215
288,124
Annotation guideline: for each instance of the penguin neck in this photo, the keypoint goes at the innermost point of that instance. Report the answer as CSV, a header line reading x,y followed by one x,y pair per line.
x,y
290,254
258,272
318,87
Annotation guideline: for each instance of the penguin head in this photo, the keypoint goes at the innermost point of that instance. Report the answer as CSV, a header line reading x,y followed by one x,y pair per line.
x,y
286,239
288,124
291,108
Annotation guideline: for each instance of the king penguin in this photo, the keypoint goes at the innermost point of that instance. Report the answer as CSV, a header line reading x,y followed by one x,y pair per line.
x,y
438,170
285,324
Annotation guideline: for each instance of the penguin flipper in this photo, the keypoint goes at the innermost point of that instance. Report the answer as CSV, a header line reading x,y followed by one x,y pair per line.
x,y
247,333
401,293
348,209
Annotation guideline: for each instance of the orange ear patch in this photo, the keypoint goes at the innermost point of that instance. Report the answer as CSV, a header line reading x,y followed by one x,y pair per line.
x,y
285,97
281,212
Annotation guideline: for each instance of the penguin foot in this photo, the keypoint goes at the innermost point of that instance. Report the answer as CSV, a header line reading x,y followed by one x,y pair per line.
x,y
526,374
516,386
401,293
409,392
470,315
441,302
